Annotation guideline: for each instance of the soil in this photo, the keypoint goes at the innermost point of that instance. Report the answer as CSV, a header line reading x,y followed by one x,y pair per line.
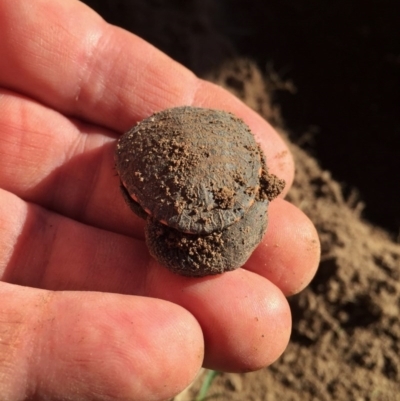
x,y
344,63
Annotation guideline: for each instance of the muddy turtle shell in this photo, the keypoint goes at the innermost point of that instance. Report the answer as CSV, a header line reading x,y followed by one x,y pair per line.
x,y
196,170
215,253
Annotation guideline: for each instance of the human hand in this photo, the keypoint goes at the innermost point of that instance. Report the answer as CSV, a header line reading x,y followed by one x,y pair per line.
x,y
85,312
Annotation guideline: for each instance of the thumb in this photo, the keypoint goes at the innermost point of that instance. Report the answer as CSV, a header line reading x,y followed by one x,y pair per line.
x,y
94,346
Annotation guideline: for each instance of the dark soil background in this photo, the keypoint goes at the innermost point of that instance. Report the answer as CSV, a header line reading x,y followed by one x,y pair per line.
x,y
343,58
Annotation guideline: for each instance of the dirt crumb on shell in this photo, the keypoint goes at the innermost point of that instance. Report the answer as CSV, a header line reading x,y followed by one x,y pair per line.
x,y
270,185
224,197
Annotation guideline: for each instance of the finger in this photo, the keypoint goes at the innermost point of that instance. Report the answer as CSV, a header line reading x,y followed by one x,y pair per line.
x,y
46,250
94,346
84,67
64,165
245,318
289,253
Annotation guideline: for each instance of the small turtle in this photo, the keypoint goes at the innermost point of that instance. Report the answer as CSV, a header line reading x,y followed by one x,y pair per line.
x,y
196,174
200,255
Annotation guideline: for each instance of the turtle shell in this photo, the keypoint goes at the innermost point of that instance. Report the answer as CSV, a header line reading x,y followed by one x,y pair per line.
x,y
194,169
215,253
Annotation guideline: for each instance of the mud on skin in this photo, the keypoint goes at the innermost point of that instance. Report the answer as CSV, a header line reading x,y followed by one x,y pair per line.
x,y
201,181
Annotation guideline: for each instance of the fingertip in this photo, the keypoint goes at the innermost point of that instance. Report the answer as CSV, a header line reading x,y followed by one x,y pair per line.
x,y
127,347
263,326
245,319
290,251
